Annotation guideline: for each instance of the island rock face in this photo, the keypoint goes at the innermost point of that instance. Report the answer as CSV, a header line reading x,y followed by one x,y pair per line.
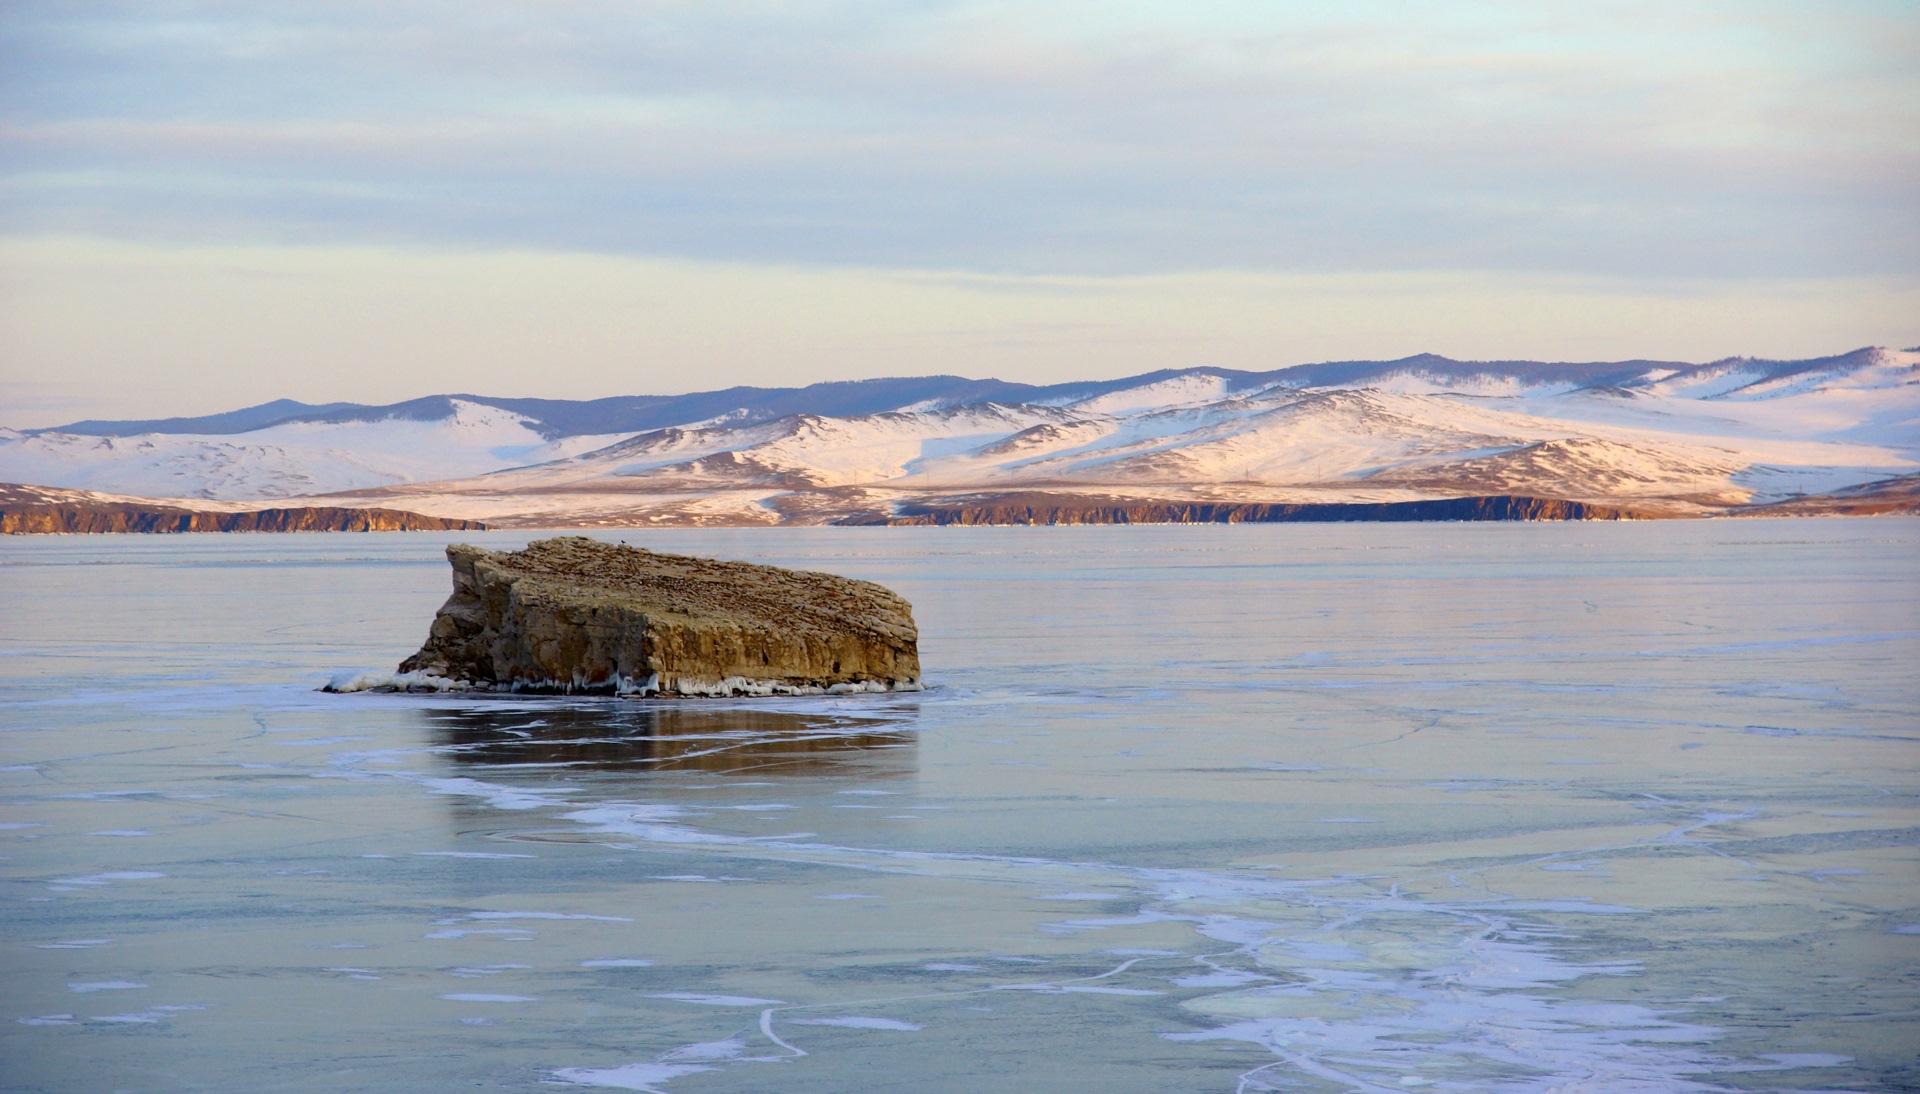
x,y
31,510
573,614
1027,508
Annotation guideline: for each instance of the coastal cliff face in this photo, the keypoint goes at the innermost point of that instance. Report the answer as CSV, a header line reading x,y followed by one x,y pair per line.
x,y
1046,509
28,510
573,614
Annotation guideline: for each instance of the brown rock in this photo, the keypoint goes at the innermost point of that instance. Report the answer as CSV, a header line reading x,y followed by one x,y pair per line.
x,y
573,614
30,510
1030,508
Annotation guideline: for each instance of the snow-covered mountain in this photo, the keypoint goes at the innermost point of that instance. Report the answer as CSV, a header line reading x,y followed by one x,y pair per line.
x,y
1656,437
287,458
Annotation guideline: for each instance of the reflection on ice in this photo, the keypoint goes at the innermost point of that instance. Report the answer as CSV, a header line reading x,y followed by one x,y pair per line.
x,y
680,736
1612,839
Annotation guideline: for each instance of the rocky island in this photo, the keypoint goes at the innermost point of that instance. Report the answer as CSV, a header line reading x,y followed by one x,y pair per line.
x,y
573,614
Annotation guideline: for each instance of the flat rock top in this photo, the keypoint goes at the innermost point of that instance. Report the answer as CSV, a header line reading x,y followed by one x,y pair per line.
x,y
701,587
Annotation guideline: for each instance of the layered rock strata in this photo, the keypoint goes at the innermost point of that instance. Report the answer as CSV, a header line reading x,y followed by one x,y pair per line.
x,y
572,614
1056,509
26,510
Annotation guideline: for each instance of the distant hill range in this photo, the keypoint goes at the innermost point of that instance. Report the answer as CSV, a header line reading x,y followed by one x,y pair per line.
x,y
1634,438
556,418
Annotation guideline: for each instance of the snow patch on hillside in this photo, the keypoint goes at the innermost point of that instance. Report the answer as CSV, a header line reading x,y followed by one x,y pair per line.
x,y
1693,436
289,460
880,447
1422,382
1178,391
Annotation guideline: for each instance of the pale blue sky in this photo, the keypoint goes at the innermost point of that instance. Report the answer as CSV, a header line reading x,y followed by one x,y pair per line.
x,y
1681,179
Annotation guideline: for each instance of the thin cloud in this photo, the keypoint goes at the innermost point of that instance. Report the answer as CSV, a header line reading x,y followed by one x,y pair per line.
x,y
1721,141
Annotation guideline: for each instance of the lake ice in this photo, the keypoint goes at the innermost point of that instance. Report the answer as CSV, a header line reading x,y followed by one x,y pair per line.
x,y
1305,808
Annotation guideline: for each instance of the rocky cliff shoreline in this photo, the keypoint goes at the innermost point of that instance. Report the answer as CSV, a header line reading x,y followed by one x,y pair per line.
x,y
27,510
1050,509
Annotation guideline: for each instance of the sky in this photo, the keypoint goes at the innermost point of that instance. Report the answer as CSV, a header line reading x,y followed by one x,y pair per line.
x,y
207,205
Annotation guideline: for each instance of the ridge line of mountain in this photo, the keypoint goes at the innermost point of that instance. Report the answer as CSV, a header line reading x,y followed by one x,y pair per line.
x,y
555,418
1631,436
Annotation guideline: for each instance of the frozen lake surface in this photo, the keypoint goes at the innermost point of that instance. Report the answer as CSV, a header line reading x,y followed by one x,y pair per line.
x,y
1302,808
